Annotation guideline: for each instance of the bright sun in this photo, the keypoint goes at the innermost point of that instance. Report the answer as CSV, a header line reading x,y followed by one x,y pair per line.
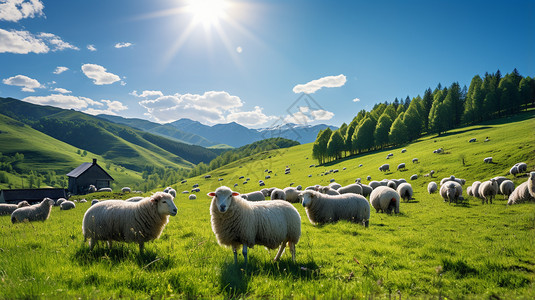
x,y
207,12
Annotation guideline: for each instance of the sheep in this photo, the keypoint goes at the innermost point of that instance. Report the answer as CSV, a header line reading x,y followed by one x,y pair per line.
x,y
292,194
405,191
91,189
366,190
487,191
94,201
83,201
37,212
451,191
194,186
134,199
332,180
219,179
8,209
207,176
385,199
415,160
374,184
392,184
327,190
403,150
192,197
432,187
267,177
59,201
254,196
66,205
126,190
183,181
360,165
138,222
171,191
384,168
506,188
235,185
487,160
414,177
514,170
335,171
469,191
351,188
472,140
475,188
195,190
299,187
269,223
499,180
106,189
431,173
321,208
185,192
368,178
278,194
401,166
522,167
525,192
335,186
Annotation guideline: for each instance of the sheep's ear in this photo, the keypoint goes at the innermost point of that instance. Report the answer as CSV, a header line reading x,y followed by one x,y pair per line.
x,y
156,197
235,194
211,194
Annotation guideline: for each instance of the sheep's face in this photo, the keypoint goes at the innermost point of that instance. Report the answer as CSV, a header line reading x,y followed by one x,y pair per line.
x,y
165,203
222,198
307,198
532,176
49,201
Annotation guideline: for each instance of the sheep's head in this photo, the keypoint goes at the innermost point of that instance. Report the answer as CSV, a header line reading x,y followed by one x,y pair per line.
x,y
48,201
165,203
222,198
307,197
532,176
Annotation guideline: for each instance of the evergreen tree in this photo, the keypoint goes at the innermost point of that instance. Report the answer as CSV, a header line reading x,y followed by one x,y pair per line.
x,y
427,103
491,105
509,94
454,97
363,136
398,131
439,117
526,91
396,103
349,136
335,146
474,101
391,112
413,121
381,130
319,149
407,102
400,110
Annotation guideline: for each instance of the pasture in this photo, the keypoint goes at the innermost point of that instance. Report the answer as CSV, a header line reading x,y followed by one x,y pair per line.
x,y
430,250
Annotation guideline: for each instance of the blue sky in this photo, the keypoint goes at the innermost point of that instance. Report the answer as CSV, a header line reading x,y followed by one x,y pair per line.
x,y
257,63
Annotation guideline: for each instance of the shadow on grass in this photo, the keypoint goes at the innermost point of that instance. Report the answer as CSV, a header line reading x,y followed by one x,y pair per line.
x,y
235,278
118,254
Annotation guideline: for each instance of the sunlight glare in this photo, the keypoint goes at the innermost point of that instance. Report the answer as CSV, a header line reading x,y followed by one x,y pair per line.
x,y
207,12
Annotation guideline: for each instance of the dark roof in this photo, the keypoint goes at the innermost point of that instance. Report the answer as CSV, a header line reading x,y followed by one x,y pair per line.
x,y
84,167
32,195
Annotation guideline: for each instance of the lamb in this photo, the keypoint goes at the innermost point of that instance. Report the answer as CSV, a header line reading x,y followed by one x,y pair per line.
x,y
506,188
66,205
415,160
192,197
117,220
432,187
8,209
487,191
524,192
487,160
37,212
134,199
292,194
351,188
107,189
385,199
254,196
451,191
401,166
278,194
126,190
269,223
321,208
384,168
405,191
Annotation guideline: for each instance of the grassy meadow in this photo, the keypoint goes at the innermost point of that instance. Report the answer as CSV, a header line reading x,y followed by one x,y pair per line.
x,y
430,250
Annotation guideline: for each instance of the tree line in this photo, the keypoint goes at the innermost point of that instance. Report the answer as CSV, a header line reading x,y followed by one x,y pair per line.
x,y
445,108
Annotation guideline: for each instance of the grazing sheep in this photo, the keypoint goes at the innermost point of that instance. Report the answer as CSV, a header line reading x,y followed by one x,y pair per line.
x,y
138,222
499,180
514,170
487,160
184,181
192,197
219,179
83,201
194,186
431,173
327,190
403,150
506,188
524,192
171,191
37,212
405,191
522,167
360,165
195,190
278,194
385,199
451,191
414,177
59,201
488,190
335,186
269,223
292,194
351,188
392,184
235,185
66,205
267,177
185,192
366,190
415,160
384,168
207,176
368,178
254,196
94,201
126,190
401,166
8,209
106,189
432,187
472,140
299,187
321,208
475,188
91,189
134,199
374,184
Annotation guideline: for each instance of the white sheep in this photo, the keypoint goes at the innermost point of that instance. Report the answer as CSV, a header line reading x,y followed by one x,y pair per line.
x,y
8,209
506,188
366,190
472,140
385,199
106,189
451,191
192,197
36,212
327,190
514,170
415,160
499,180
522,167
91,189
374,184
292,194
392,184
414,177
401,166
525,192
335,185
384,168
475,189
368,178
469,191
237,222
488,190
405,191
59,201
117,220
94,201
403,150
254,196
487,160
278,194
126,190
321,208
66,205
134,199
171,191
432,187
351,188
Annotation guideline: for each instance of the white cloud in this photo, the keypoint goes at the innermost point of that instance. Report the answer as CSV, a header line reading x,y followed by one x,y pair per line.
x,y
115,105
113,108
28,84
62,101
314,85
60,70
250,118
305,115
61,90
322,115
24,42
15,10
99,74
356,100
147,94
123,45
91,48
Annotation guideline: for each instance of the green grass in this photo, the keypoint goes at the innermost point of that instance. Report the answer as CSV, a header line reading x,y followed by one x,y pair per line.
x,y
430,250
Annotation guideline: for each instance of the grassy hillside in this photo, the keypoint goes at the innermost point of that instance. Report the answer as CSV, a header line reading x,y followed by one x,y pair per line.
x,y
430,250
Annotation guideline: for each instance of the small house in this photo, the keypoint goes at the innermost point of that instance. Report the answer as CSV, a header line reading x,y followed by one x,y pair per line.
x,y
33,196
88,174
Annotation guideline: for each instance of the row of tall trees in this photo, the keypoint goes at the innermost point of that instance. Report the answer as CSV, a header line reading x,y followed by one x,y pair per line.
x,y
439,110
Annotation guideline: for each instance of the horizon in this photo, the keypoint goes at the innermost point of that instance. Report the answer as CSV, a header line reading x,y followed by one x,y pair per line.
x,y
256,63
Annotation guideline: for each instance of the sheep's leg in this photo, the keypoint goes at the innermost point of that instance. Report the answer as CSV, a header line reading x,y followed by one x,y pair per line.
x,y
91,244
244,252
281,249
292,249
235,254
